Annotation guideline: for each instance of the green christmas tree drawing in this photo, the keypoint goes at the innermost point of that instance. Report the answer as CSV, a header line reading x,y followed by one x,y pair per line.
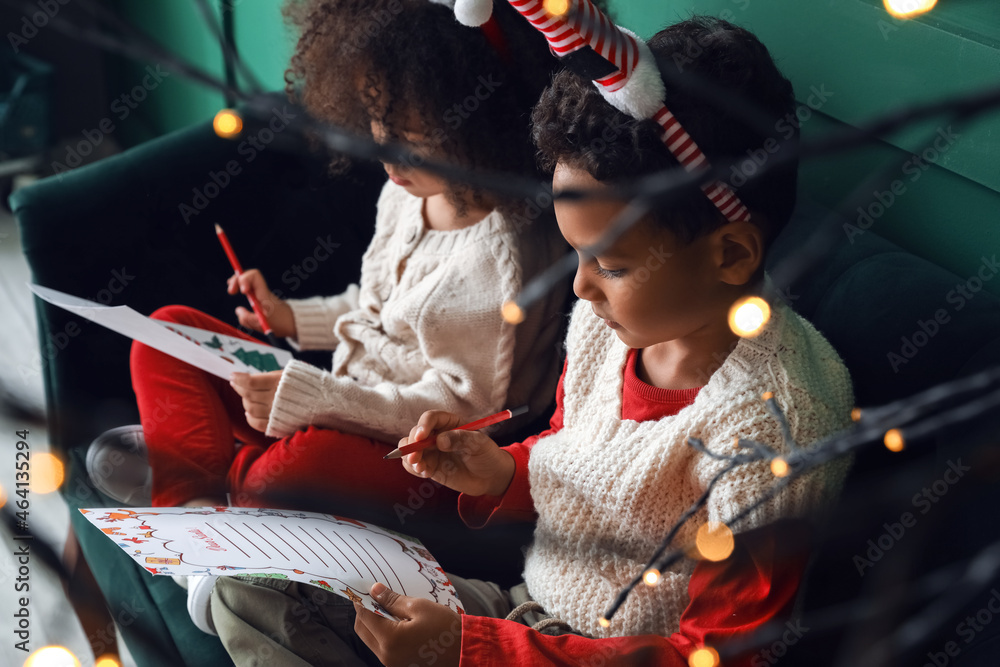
x,y
254,359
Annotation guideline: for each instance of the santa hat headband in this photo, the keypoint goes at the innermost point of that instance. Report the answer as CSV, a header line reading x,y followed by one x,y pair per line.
x,y
623,69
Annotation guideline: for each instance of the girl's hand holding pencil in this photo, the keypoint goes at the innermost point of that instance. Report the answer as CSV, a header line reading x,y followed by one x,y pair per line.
x,y
278,313
466,461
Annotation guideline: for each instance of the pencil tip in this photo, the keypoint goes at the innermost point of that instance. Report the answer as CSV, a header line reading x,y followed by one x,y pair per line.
x,y
518,411
218,229
394,454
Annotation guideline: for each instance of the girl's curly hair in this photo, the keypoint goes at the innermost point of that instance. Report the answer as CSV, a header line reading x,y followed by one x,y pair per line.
x,y
410,66
574,125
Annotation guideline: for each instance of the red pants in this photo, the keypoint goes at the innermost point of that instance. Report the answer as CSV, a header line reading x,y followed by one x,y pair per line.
x,y
192,421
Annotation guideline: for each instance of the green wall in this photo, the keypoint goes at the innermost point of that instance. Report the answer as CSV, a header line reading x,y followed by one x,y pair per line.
x,y
869,64
264,43
866,62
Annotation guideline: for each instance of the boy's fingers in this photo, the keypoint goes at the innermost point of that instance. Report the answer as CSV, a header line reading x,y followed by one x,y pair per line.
x,y
391,601
436,420
371,628
456,442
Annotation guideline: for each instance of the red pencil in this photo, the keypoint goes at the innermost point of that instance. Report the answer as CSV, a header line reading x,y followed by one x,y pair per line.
x,y
231,254
471,426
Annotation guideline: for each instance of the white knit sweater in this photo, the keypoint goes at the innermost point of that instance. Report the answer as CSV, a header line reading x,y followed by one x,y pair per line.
x,y
423,330
607,490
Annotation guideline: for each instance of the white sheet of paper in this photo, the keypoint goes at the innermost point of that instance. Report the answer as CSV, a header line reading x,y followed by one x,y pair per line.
x,y
341,555
189,344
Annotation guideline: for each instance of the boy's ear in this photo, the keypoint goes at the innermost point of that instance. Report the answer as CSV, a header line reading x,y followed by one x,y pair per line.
x,y
739,252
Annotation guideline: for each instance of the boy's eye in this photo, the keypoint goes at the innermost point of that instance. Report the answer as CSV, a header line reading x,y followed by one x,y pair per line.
x,y
608,273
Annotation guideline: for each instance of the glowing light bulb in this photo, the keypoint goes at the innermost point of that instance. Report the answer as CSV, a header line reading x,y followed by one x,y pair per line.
x,y
905,9
704,657
227,124
779,467
47,472
894,441
714,541
512,313
856,415
3,496
603,622
736,443
52,656
767,396
107,661
556,7
748,316
651,577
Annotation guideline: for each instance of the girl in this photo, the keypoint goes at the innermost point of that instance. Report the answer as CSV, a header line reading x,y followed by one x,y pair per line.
x,y
423,327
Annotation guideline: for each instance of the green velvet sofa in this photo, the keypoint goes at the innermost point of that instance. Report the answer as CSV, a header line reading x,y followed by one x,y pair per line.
x,y
117,231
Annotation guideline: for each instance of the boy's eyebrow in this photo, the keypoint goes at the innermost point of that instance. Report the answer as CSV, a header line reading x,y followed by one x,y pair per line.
x,y
609,253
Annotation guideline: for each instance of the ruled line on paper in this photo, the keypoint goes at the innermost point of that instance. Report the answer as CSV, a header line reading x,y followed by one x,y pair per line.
x,y
356,554
223,536
346,557
318,557
287,544
360,546
389,565
280,553
252,543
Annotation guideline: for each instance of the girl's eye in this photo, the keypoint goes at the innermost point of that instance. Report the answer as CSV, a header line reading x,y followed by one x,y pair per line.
x,y
608,273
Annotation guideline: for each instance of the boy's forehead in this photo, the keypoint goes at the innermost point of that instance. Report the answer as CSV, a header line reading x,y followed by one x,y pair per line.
x,y
584,222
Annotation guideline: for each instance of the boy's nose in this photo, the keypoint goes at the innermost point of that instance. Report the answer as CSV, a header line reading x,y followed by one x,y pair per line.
x,y
583,285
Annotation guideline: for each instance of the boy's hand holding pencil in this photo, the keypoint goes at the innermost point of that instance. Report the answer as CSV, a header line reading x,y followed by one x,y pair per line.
x,y
466,461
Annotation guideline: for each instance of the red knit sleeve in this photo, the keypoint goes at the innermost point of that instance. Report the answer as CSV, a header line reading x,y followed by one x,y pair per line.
x,y
515,504
757,584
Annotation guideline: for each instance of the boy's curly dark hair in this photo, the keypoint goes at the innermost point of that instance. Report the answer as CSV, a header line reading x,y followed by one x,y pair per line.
x,y
409,65
574,125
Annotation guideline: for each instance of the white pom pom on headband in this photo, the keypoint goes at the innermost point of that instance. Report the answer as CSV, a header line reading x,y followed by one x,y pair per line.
x,y
625,73
472,13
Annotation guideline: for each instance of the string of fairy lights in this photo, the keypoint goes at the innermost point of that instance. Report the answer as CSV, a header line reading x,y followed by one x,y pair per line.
x,y
895,426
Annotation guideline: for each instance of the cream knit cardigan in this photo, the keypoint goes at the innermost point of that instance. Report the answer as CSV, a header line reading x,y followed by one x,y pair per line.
x,y
423,330
608,490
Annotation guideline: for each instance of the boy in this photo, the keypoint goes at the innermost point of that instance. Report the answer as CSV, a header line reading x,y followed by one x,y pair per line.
x,y
651,361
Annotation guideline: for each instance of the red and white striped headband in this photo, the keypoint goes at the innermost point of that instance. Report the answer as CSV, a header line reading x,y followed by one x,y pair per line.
x,y
625,74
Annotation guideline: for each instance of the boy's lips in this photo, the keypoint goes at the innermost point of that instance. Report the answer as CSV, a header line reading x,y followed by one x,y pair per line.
x,y
399,181
611,323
